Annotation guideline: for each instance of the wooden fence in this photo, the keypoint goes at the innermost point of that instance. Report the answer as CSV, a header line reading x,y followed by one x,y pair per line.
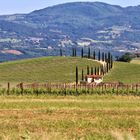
x,y
84,88
72,89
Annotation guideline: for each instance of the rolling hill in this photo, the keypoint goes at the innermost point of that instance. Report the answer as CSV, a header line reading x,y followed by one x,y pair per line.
x,y
80,24
124,72
62,69
47,69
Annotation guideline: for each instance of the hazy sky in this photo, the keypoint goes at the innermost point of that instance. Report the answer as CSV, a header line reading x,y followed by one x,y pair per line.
x,y
25,6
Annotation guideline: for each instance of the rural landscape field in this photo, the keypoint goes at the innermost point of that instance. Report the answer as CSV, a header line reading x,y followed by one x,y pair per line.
x,y
52,116
88,117
69,71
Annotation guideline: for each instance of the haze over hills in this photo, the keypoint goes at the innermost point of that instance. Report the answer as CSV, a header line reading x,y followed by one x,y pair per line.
x,y
81,24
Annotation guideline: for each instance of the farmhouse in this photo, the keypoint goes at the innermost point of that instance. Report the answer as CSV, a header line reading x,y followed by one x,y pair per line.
x,y
94,79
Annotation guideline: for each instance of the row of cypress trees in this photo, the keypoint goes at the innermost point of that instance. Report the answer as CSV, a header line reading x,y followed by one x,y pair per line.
x,y
100,56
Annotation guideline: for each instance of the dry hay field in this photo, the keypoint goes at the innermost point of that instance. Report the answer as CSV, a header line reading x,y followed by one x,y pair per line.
x,y
84,117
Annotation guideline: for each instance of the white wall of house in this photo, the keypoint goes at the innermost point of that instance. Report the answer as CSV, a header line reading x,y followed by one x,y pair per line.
x,y
98,80
89,80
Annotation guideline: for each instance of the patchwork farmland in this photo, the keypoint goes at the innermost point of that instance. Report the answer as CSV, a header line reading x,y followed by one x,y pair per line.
x,y
33,112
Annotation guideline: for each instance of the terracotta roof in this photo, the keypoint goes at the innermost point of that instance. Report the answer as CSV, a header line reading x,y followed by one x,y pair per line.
x,y
93,76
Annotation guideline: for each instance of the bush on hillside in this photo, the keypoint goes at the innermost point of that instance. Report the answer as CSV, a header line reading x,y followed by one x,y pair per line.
x,y
127,57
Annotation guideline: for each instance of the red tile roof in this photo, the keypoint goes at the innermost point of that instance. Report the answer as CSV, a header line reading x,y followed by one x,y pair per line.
x,y
93,76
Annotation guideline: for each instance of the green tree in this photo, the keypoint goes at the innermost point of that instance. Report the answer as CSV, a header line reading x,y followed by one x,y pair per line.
x,y
126,57
111,64
91,70
87,70
94,55
82,75
72,52
75,52
95,71
99,55
103,56
76,75
61,52
88,52
82,52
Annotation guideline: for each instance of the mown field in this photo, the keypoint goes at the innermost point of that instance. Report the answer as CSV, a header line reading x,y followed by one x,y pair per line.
x,y
49,69
84,117
124,72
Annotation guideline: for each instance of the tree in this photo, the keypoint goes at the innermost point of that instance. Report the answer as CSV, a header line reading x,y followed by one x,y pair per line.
x,y
91,70
88,52
109,55
107,67
99,55
61,52
87,70
103,56
126,57
94,55
72,52
82,75
111,64
76,75
109,60
75,52
102,70
95,71
82,53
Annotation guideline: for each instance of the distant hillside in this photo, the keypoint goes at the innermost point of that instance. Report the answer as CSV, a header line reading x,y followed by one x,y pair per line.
x,y
80,24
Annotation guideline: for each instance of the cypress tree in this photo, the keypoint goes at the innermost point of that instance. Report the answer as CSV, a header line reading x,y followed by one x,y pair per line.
x,y
88,52
111,61
107,67
91,70
109,57
98,71
82,53
72,52
76,75
82,75
94,55
61,52
102,70
103,56
87,70
75,53
99,56
95,71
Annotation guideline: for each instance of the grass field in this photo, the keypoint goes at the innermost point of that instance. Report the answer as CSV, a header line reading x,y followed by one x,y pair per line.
x,y
57,117
136,61
62,69
124,72
49,69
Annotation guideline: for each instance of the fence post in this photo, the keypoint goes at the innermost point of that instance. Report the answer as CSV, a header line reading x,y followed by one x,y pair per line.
x,y
8,88
136,88
21,87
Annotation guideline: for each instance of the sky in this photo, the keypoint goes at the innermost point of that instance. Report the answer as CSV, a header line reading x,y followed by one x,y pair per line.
x,y
26,6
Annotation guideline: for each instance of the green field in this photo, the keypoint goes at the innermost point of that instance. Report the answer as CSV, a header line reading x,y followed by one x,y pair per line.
x,y
57,117
62,69
136,61
124,72
49,69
